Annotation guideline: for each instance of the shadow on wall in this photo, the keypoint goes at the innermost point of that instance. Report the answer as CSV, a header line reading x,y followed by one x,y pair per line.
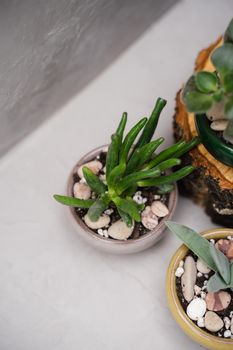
x,y
52,49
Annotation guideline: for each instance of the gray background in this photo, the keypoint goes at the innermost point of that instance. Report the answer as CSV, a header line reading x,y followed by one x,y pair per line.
x,y
51,49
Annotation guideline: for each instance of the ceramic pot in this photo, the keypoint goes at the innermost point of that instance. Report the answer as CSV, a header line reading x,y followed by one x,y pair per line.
x,y
219,149
108,244
189,327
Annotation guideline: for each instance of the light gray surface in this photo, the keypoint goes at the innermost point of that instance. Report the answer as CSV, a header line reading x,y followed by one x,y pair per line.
x,y
51,49
56,292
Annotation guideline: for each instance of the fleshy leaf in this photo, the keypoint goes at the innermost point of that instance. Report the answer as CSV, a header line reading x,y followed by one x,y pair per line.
x,y
222,58
198,102
194,241
97,209
228,36
229,108
73,202
206,81
216,283
221,262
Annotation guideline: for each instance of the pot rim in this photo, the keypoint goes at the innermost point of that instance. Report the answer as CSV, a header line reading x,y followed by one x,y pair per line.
x,y
219,149
188,326
172,202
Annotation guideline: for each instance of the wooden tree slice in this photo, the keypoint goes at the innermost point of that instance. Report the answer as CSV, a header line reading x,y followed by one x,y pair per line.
x,y
211,185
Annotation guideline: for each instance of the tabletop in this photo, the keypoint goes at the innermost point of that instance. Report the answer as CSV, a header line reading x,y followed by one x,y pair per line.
x,y
57,292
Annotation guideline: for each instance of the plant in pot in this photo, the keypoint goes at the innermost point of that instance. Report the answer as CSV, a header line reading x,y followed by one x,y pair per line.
x,y
205,108
120,195
210,96
200,285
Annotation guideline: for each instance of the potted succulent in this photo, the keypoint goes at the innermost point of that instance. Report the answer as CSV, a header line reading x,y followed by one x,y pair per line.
x,y
199,285
119,196
204,107
210,96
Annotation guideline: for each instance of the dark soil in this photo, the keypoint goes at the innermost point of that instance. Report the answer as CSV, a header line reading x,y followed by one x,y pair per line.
x,y
200,283
147,192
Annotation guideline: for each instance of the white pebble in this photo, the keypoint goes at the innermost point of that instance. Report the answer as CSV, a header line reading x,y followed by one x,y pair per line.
x,y
144,200
199,274
212,240
81,190
197,290
179,271
202,267
138,199
109,211
219,125
100,232
95,166
181,263
101,222
119,230
201,322
227,334
227,322
196,309
149,219
159,209
156,196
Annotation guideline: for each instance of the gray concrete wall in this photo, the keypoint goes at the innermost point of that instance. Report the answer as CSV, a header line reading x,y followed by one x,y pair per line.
x,y
51,48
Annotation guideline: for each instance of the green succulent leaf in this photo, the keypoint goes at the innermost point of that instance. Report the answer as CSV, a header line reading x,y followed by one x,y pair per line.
x,y
98,208
189,86
74,202
125,217
142,155
94,181
195,242
167,188
130,138
221,262
166,154
228,132
121,126
206,81
228,36
115,176
152,122
222,59
112,157
187,147
216,283
128,207
133,178
228,82
167,179
218,95
198,102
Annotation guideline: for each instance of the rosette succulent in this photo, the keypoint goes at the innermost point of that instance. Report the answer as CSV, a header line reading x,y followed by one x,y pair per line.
x,y
212,92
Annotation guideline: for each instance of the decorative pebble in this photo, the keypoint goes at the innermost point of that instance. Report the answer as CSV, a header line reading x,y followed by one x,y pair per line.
x,y
181,263
227,334
202,267
109,211
156,197
216,111
138,198
227,322
197,290
119,230
188,279
212,240
149,219
199,274
196,309
217,301
203,295
81,190
213,322
159,209
219,125
101,222
232,325
95,166
179,271
226,247
201,322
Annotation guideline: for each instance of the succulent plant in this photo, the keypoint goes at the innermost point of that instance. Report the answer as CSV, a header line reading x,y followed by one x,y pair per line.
x,y
209,254
130,164
206,90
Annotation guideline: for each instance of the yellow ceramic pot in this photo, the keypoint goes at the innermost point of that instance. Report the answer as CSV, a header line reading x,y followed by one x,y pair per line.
x,y
197,334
